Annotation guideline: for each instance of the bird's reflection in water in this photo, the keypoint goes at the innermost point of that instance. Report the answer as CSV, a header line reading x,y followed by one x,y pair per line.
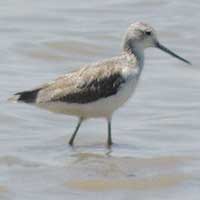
x,y
103,171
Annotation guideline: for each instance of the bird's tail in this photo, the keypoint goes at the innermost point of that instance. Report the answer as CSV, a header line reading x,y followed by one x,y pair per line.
x,y
25,96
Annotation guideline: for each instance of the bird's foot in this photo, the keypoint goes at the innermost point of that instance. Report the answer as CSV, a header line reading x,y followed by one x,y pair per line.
x,y
109,144
71,143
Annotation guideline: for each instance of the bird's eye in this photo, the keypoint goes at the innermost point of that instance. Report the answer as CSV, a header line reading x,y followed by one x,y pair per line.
x,y
148,32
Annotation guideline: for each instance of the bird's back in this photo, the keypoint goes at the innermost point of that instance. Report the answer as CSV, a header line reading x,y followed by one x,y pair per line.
x,y
89,84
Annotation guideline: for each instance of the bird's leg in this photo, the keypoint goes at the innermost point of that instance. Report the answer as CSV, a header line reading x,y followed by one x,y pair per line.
x,y
71,141
109,140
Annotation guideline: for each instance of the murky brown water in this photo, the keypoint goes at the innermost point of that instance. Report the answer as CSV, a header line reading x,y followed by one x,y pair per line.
x,y
156,135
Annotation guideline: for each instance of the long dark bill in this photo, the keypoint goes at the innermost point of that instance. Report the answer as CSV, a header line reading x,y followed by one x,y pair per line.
x,y
165,49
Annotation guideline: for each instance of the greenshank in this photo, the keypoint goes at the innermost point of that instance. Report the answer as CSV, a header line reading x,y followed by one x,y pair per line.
x,y
97,90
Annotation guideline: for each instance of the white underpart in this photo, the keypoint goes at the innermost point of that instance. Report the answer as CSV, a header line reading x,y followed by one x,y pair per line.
x,y
103,107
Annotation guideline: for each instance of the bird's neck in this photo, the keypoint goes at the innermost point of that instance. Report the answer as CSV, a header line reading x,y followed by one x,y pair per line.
x,y
136,50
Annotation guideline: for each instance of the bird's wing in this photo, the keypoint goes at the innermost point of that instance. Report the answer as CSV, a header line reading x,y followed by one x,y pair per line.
x,y
88,84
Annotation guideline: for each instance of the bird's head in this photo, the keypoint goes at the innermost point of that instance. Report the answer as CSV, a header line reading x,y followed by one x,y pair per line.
x,y
141,36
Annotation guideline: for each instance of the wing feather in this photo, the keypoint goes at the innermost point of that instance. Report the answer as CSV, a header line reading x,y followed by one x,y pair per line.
x,y
86,85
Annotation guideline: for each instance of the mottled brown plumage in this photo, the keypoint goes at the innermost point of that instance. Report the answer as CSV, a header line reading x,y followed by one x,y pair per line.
x,y
89,83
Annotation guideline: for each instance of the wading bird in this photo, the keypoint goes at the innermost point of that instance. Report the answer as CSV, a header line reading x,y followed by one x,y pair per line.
x,y
98,89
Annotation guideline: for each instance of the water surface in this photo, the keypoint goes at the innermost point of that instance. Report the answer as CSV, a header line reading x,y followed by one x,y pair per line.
x,y
156,135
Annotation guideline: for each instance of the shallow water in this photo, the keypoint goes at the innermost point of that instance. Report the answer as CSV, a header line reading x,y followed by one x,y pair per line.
x,y
156,135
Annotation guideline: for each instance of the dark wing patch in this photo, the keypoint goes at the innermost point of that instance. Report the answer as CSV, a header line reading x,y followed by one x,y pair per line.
x,y
28,96
94,90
